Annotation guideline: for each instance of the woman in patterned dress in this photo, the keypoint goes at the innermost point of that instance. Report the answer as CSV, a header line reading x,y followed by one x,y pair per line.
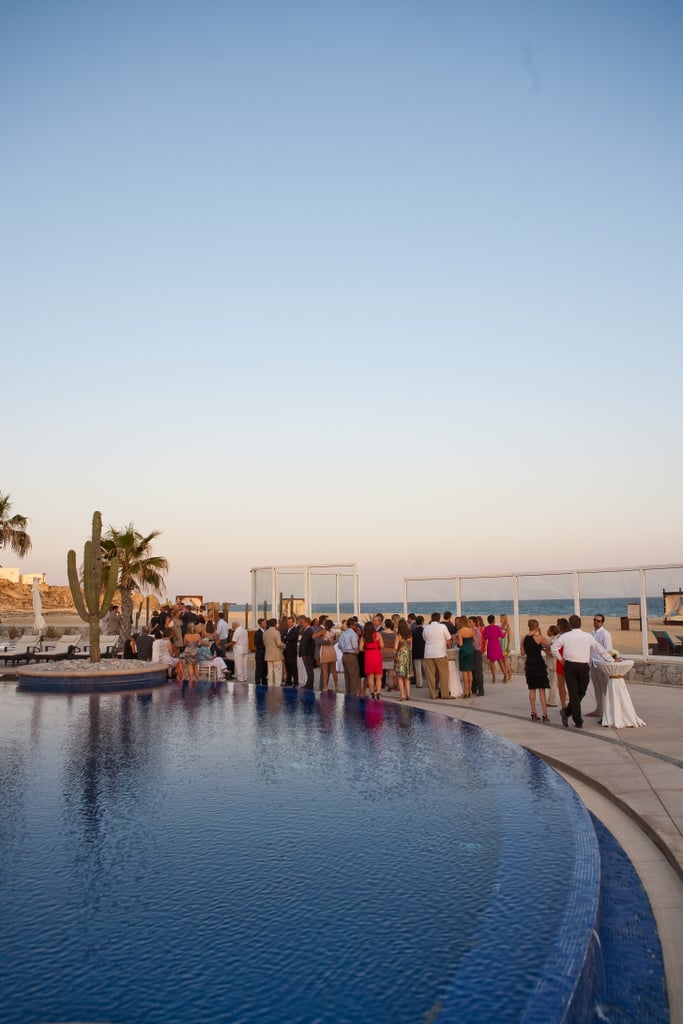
x,y
403,660
191,655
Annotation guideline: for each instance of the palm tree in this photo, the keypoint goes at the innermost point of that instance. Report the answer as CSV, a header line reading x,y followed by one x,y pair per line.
x,y
13,529
139,569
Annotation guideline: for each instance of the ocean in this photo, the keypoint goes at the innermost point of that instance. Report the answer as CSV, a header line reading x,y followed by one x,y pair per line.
x,y
609,606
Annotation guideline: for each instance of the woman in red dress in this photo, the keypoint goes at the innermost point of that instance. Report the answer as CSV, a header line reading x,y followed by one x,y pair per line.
x,y
371,644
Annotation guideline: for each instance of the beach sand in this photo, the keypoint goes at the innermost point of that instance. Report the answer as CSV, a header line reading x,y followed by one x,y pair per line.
x,y
627,642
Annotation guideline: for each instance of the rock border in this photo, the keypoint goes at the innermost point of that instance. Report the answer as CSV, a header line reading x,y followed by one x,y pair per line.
x,y
102,677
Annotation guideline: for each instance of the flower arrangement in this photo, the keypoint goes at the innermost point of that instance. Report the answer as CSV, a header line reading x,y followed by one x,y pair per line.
x,y
614,655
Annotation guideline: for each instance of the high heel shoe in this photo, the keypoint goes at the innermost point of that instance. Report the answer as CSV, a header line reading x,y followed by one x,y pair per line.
x,y
534,716
545,718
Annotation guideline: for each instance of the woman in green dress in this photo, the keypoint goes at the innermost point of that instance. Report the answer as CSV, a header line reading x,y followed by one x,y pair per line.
x,y
506,647
403,658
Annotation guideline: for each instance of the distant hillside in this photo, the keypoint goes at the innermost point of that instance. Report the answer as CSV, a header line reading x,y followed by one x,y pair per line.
x,y
17,597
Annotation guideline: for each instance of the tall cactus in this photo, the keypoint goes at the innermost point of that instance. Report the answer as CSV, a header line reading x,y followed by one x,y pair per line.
x,y
99,584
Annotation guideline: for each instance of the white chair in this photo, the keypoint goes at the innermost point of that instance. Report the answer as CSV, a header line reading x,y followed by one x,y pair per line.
x,y
208,671
20,649
57,650
108,645
65,640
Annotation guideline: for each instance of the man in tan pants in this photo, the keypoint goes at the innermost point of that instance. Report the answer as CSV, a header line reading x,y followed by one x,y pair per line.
x,y
437,641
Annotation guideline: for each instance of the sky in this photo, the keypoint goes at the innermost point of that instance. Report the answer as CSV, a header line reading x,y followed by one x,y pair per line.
x,y
392,283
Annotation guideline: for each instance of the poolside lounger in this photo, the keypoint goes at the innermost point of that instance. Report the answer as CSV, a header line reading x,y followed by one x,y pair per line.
x,y
665,645
20,649
58,650
65,638
108,644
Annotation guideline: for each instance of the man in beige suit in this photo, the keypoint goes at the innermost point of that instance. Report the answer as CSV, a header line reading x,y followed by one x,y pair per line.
x,y
274,653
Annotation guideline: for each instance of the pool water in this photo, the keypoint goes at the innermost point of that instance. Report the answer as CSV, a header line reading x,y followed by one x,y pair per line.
x,y
257,855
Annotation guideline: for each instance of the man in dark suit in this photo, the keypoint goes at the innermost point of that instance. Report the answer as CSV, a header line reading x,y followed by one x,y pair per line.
x,y
144,643
261,669
291,642
307,651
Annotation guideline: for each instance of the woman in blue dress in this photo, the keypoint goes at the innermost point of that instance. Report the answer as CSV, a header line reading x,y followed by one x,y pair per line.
x,y
465,641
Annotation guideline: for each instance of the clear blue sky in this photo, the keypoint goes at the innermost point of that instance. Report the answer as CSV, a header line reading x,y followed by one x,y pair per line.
x,y
395,283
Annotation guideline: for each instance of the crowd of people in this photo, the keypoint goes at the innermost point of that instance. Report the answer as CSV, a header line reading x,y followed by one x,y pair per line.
x,y
563,663
384,653
182,637
392,653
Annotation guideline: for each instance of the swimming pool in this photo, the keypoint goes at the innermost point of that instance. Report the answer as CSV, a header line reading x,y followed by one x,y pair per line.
x,y
258,855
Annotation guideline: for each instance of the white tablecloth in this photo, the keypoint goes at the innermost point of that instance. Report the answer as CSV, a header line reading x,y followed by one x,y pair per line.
x,y
618,711
455,687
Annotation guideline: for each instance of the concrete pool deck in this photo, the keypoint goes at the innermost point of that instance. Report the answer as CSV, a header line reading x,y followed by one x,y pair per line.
x,y
631,779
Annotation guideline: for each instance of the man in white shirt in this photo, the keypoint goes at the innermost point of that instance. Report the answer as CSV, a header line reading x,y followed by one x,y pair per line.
x,y
162,652
220,638
599,677
437,641
221,632
240,651
348,645
578,647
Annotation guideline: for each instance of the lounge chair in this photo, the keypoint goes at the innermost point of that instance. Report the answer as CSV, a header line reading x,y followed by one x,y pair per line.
x,y
665,645
20,649
108,646
65,638
59,650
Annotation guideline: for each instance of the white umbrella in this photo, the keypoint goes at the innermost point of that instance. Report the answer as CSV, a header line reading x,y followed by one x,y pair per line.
x,y
38,620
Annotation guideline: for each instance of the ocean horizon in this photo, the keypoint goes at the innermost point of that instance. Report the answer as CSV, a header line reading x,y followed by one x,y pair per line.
x,y
612,607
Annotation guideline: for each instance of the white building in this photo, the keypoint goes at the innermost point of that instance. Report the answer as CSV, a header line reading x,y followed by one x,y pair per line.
x,y
12,576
